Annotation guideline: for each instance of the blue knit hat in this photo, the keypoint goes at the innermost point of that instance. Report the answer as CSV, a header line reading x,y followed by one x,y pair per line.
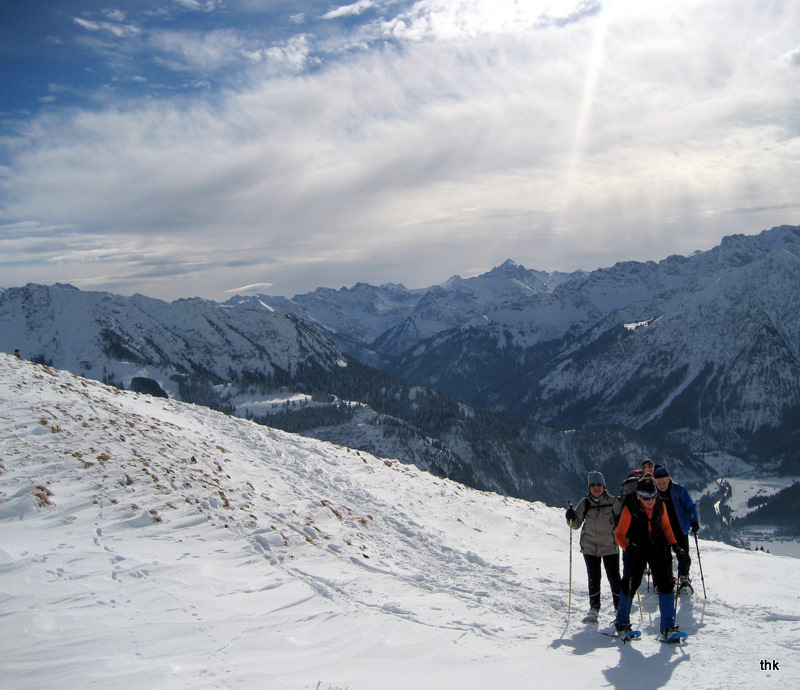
x,y
660,472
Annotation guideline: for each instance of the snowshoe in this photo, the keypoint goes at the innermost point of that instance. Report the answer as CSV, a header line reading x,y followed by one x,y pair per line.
x,y
673,636
685,586
624,632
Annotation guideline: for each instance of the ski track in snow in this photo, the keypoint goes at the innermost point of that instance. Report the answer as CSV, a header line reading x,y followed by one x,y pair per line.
x,y
150,543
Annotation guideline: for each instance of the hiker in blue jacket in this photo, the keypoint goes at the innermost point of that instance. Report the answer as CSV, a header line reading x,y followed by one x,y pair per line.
x,y
683,517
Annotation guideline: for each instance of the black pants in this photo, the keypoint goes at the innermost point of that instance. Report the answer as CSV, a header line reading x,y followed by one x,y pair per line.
x,y
634,563
611,565
684,561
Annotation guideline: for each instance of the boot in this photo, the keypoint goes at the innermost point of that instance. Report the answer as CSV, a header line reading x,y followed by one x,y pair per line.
x,y
592,616
685,585
622,629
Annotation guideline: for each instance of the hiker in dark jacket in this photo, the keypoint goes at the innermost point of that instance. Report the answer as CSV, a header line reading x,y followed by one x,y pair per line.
x,y
645,535
628,488
629,485
595,512
683,517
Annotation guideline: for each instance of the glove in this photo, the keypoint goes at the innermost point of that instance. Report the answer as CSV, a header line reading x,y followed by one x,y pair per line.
x,y
571,515
678,551
695,527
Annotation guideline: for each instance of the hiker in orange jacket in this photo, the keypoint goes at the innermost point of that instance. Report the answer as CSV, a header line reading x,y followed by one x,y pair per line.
x,y
646,536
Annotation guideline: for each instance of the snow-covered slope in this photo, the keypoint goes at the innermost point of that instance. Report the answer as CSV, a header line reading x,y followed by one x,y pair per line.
x,y
146,543
714,367
105,336
352,317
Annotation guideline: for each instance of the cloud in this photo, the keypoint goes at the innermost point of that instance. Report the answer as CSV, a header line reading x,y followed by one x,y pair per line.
x,y
253,289
792,58
198,6
196,51
474,135
350,10
292,55
116,28
457,19
116,15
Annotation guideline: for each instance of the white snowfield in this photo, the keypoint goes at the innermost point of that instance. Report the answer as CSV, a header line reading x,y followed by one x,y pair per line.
x,y
146,543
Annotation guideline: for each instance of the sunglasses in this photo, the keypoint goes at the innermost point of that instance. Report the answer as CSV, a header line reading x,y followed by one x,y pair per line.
x,y
592,485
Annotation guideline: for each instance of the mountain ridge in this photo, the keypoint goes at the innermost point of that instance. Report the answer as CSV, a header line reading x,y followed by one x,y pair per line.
x,y
718,333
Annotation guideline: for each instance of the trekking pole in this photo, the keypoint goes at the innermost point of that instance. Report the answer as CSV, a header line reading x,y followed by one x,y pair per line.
x,y
569,600
641,615
700,563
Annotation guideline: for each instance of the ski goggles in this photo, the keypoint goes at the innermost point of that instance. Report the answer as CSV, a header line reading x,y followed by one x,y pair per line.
x,y
646,495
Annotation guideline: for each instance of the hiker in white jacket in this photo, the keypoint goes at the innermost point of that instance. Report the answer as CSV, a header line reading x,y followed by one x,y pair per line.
x,y
595,512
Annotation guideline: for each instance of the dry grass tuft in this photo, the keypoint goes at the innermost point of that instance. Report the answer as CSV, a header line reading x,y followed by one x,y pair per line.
x,y
42,495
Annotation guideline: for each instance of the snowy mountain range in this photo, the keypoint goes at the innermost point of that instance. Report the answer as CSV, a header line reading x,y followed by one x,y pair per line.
x,y
148,543
251,359
703,350
522,380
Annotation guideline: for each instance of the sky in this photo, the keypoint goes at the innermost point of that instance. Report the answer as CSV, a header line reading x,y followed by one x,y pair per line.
x,y
147,543
212,147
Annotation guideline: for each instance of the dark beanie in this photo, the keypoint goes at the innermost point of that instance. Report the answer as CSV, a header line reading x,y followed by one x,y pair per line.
x,y
596,477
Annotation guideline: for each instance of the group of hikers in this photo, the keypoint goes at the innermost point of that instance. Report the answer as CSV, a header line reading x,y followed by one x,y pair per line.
x,y
649,521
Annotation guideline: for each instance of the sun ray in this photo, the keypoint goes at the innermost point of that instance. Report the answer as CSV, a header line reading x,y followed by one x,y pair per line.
x,y
581,135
